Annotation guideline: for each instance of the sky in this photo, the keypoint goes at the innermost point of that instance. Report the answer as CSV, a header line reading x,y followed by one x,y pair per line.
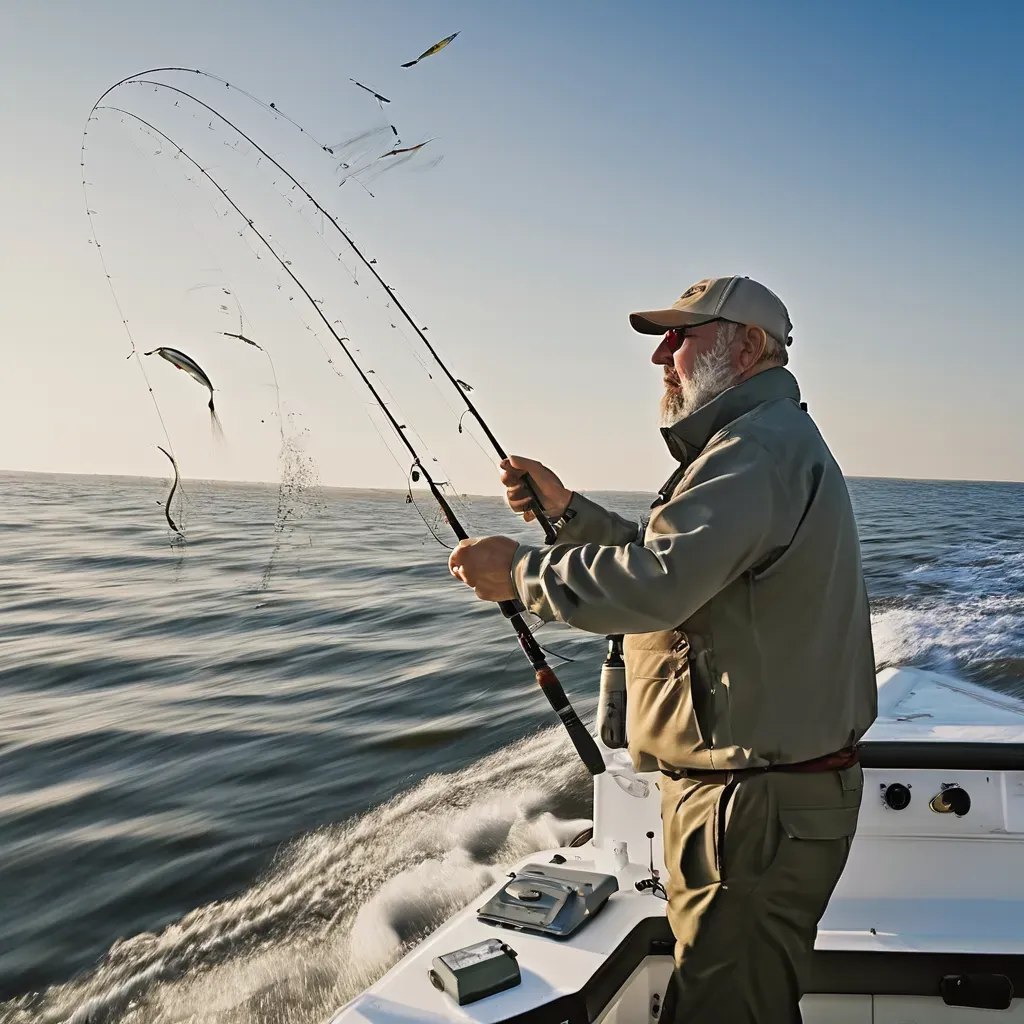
x,y
862,160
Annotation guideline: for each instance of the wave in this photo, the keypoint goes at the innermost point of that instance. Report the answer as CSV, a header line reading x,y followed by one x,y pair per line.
x,y
339,906
963,615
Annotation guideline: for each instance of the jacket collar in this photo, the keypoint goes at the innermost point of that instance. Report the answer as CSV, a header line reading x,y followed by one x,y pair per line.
x,y
687,437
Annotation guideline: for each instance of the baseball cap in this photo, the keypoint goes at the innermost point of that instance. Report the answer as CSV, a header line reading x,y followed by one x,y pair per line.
x,y
728,298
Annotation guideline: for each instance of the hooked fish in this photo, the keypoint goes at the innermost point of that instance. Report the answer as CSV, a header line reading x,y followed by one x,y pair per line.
x,y
241,337
188,364
174,487
434,49
406,149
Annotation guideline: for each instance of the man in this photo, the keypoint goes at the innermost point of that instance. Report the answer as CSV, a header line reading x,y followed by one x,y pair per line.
x,y
749,663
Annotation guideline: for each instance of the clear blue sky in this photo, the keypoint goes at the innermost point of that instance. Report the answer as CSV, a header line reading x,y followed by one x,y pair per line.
x,y
863,160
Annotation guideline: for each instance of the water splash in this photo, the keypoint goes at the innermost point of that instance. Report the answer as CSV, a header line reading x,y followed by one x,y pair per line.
x,y
963,614
339,906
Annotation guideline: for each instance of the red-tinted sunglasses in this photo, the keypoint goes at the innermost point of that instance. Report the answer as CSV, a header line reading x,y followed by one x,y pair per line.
x,y
675,336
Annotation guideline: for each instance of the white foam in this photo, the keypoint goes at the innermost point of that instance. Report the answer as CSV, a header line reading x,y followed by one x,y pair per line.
x,y
339,906
964,611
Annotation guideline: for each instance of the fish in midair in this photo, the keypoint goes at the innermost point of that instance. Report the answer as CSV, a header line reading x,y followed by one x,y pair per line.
x,y
405,149
434,49
188,364
174,487
242,337
376,95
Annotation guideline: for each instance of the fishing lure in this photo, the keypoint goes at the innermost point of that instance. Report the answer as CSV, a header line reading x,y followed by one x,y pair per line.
x,y
434,49
188,364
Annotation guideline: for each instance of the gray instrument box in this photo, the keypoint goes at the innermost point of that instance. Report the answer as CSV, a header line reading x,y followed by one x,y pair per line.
x,y
475,972
554,901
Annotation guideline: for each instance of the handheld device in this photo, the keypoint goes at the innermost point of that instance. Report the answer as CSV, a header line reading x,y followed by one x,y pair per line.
x,y
475,972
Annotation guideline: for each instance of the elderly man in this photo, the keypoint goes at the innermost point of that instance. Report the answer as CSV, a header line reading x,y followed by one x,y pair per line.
x,y
749,663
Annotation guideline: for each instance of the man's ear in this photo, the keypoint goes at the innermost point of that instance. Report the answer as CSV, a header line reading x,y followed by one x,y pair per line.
x,y
753,342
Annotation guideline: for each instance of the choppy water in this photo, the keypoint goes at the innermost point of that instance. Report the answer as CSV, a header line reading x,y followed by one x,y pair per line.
x,y
231,798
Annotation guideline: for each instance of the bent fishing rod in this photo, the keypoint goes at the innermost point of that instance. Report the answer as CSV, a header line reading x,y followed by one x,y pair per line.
x,y
550,685
550,534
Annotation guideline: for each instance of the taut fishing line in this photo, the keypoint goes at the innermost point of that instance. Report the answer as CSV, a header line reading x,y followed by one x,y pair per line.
x,y
213,249
325,218
278,247
226,154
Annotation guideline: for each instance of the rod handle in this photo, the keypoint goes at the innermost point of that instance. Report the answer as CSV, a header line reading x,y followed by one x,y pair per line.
x,y
584,743
511,607
550,534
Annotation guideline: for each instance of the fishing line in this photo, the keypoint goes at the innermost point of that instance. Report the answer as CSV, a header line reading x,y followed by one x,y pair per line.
x,y
542,518
513,610
298,471
160,138
90,214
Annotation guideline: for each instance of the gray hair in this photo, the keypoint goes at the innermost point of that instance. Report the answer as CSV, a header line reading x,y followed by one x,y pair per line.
x,y
775,353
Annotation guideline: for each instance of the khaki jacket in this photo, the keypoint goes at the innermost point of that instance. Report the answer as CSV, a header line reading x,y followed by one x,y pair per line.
x,y
743,600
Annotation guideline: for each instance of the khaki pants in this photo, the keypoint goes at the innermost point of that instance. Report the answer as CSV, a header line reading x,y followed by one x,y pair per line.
x,y
752,864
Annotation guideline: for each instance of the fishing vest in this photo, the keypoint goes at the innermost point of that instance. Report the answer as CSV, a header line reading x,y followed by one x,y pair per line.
x,y
778,667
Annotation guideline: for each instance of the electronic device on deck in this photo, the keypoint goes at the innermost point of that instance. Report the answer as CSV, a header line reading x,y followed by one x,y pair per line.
x,y
554,901
476,971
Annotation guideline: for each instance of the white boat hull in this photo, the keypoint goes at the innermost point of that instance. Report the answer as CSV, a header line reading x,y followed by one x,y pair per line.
x,y
925,895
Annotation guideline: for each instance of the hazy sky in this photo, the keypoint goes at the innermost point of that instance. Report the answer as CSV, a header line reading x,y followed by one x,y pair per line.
x,y
863,160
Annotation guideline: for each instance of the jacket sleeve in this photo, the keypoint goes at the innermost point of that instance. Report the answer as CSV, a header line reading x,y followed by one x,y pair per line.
x,y
729,512
592,524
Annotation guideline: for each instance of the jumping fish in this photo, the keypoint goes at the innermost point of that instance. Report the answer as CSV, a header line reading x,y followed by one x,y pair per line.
x,y
188,364
174,487
429,53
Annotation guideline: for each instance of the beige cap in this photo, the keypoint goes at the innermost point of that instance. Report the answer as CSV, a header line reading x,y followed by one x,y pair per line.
x,y
728,298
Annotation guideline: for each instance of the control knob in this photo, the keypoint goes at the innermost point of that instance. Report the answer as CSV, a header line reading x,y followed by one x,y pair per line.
x,y
896,796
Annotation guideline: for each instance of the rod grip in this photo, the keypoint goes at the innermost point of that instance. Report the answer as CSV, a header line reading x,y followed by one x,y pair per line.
x,y
550,534
512,607
580,736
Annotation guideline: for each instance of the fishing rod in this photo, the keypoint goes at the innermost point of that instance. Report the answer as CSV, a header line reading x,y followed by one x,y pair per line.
x,y
513,610
550,534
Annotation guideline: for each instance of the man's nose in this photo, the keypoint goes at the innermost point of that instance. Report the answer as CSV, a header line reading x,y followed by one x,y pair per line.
x,y
662,354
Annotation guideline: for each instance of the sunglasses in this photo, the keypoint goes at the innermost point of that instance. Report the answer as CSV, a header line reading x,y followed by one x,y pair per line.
x,y
675,336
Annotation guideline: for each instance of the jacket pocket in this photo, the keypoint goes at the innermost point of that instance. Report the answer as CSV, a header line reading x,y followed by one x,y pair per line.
x,y
660,716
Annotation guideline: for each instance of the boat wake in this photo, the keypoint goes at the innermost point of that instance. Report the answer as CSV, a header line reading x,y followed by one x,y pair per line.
x,y
339,906
963,615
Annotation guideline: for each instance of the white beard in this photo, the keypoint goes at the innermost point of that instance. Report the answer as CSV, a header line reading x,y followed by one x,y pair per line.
x,y
712,374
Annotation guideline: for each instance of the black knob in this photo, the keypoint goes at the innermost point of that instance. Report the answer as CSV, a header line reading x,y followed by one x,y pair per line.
x,y
896,796
952,800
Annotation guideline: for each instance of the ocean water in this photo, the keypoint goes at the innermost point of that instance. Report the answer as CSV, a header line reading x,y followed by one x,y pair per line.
x,y
239,775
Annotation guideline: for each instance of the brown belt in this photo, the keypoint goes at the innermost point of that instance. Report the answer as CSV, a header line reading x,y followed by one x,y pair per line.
x,y
830,762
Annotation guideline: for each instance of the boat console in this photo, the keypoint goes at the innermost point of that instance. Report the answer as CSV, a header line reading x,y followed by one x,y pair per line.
x,y
924,926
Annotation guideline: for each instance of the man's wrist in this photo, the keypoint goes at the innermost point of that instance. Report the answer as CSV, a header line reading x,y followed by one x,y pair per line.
x,y
559,519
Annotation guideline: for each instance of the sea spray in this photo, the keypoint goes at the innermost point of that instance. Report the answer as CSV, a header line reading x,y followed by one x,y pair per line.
x,y
340,905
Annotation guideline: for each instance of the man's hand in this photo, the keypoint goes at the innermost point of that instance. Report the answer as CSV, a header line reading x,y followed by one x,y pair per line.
x,y
485,564
553,495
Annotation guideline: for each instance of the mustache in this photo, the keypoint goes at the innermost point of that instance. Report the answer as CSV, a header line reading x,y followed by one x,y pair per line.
x,y
671,379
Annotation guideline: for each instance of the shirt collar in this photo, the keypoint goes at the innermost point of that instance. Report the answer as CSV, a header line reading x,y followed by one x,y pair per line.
x,y
686,438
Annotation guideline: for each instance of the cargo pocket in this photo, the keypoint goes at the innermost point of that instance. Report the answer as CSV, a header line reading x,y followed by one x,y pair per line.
x,y
819,822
